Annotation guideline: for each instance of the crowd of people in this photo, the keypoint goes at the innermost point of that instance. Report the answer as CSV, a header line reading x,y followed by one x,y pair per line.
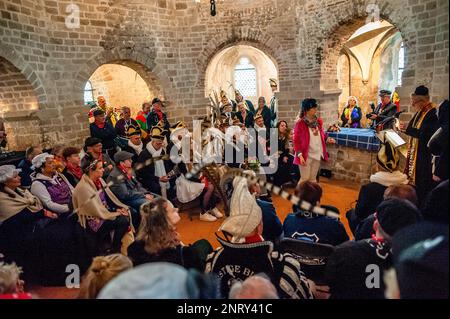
x,y
112,208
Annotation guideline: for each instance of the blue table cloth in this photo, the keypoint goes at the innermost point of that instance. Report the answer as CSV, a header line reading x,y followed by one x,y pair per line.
x,y
365,139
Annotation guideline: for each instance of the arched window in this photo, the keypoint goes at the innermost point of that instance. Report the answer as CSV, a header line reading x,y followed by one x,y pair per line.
x,y
88,93
245,78
401,63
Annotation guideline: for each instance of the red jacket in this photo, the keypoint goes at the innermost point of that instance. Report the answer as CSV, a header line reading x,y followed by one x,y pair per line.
x,y
301,140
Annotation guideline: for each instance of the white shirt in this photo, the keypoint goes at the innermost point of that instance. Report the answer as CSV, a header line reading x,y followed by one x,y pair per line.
x,y
315,145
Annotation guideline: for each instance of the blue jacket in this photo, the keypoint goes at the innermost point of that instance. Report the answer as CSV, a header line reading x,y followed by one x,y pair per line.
x,y
272,227
25,166
318,229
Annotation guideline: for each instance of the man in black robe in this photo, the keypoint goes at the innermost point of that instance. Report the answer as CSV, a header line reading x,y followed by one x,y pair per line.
x,y
420,129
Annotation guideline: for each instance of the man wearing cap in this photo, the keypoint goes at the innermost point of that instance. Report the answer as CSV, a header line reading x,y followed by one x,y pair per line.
x,y
355,269
126,187
111,116
157,117
244,252
273,103
155,175
104,131
134,144
384,110
94,149
420,129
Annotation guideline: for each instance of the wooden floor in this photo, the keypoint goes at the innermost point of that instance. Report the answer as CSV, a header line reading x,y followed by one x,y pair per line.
x,y
341,194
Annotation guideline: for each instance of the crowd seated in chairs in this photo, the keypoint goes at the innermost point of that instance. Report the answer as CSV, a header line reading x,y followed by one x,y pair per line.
x,y
113,209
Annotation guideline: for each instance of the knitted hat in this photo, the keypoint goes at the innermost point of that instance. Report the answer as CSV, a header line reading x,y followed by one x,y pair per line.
x,y
394,214
245,214
7,172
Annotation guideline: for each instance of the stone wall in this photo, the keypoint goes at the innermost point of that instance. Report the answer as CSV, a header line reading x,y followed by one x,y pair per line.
x,y
351,164
170,43
121,86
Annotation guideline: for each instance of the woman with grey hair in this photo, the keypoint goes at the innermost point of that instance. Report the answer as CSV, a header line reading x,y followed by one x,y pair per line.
x,y
20,212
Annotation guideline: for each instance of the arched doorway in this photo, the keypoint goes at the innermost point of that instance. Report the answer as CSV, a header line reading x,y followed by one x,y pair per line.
x,y
371,60
18,103
121,85
242,67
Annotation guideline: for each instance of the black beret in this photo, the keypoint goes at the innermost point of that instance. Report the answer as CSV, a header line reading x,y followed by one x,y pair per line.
x,y
98,112
91,141
421,91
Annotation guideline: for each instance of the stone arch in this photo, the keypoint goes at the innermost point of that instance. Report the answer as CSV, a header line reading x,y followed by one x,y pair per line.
x,y
242,36
12,56
140,62
221,70
352,15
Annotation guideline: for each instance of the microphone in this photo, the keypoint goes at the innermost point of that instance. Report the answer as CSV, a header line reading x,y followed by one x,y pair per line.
x,y
213,8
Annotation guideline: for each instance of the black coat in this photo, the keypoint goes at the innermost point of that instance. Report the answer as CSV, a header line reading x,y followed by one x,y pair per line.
x,y
107,134
73,180
146,176
153,119
383,113
424,175
249,120
370,196
267,116
185,256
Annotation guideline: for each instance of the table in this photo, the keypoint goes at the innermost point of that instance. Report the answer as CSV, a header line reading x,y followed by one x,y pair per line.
x,y
360,138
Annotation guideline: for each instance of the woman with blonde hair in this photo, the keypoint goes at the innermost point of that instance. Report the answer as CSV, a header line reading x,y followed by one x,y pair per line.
x,y
351,115
102,270
158,240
